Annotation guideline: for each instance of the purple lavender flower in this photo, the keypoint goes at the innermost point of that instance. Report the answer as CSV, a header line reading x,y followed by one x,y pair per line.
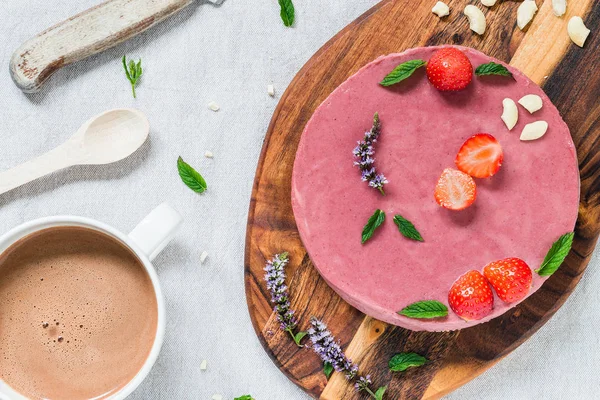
x,y
363,382
364,151
326,347
275,278
324,344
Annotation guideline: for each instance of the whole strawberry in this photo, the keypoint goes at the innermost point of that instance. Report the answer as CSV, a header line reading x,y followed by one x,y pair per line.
x,y
471,296
449,69
511,278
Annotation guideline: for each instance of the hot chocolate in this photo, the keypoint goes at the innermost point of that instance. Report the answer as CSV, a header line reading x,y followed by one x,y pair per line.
x,y
78,315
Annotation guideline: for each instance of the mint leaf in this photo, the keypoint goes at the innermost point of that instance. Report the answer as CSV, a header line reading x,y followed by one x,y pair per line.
x,y
245,397
374,222
379,393
492,68
407,229
401,72
327,369
556,255
298,337
133,72
190,176
287,12
403,361
425,309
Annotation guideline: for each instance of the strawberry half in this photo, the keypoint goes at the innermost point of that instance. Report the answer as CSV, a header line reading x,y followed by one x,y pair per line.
x,y
510,278
455,190
471,296
449,69
480,156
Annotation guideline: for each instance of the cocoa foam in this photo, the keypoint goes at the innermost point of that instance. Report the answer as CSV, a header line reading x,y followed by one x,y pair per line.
x,y
78,315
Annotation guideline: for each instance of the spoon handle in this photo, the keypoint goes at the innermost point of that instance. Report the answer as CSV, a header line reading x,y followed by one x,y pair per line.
x,y
90,32
54,160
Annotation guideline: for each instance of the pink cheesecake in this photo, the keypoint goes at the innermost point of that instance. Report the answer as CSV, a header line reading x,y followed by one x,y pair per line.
x,y
519,212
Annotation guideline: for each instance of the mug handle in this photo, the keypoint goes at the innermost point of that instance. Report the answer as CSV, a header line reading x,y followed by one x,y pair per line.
x,y
156,230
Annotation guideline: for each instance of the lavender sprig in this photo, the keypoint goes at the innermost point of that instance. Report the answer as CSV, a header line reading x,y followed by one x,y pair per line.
x,y
364,153
326,347
275,277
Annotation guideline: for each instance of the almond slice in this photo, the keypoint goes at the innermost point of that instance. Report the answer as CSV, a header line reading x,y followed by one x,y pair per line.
x,y
488,3
577,31
525,13
510,114
559,7
534,130
476,19
531,102
440,9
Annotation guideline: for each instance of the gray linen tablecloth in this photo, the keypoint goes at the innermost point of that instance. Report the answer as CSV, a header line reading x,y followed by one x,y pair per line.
x,y
227,54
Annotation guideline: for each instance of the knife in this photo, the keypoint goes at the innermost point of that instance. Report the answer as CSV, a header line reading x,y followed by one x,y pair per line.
x,y
85,34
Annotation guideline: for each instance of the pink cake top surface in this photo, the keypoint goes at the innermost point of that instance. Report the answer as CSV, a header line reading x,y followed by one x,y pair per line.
x,y
519,212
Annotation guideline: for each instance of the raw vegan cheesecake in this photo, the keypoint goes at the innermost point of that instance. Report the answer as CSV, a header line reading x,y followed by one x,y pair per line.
x,y
436,189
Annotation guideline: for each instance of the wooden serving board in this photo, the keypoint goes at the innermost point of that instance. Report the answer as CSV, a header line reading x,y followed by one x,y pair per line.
x,y
545,53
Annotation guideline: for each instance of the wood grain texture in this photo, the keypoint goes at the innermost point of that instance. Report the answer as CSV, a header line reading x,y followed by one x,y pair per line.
x,y
85,34
543,52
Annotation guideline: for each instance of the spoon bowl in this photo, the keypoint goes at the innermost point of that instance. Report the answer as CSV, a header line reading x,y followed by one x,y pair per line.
x,y
103,139
112,135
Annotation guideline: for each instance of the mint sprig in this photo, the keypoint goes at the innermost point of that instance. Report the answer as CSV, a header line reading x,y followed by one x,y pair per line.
x,y
287,12
401,72
403,361
378,395
327,369
407,229
298,337
133,71
190,176
556,255
425,309
374,222
245,397
492,68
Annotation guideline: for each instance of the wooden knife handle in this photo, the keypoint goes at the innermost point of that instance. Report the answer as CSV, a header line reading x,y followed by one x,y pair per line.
x,y
90,32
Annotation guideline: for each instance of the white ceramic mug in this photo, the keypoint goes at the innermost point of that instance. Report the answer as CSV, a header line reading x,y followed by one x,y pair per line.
x,y
147,240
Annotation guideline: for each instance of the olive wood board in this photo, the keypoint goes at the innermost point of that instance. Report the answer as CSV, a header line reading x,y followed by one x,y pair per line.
x,y
543,52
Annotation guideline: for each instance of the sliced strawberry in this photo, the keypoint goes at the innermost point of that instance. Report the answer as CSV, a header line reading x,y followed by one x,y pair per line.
x,y
455,190
449,69
511,278
480,156
471,296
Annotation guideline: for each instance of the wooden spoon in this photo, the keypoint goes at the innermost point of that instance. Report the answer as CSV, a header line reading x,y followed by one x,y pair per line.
x,y
104,139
